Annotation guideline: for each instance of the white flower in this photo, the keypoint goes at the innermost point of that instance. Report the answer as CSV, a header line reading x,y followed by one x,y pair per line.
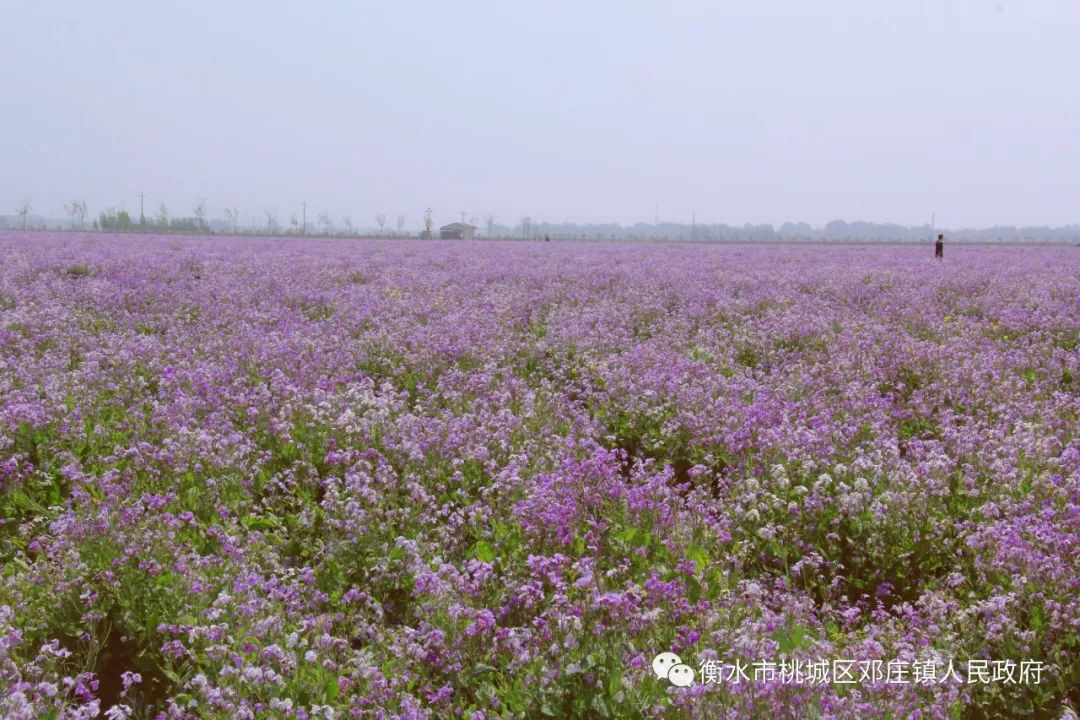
x,y
118,712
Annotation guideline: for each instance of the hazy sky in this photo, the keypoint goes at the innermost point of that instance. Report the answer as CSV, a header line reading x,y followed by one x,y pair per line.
x,y
581,110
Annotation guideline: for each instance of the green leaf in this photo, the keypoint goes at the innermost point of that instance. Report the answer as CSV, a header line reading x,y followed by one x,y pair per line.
x,y
693,589
699,556
483,669
717,583
514,699
330,692
484,552
614,681
798,636
795,639
634,536
262,523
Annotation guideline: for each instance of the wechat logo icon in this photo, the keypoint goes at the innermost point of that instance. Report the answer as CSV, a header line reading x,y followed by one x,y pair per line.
x,y
669,666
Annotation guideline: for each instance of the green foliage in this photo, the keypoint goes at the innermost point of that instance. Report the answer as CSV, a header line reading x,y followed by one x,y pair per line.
x,y
918,427
484,552
792,639
114,220
319,312
748,356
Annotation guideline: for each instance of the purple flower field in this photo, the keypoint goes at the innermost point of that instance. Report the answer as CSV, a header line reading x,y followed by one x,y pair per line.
x,y
269,478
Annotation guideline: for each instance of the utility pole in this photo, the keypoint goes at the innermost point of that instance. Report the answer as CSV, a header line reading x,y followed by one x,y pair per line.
x,y
142,217
303,228
693,225
462,217
656,215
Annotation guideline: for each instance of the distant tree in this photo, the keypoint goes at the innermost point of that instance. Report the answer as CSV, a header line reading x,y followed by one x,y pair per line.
x,y
326,221
381,219
70,210
400,223
77,212
490,220
113,219
185,224
163,217
294,223
526,227
271,221
796,231
200,213
347,223
23,211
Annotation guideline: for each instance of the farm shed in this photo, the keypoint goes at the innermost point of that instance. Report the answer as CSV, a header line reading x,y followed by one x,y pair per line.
x,y
457,231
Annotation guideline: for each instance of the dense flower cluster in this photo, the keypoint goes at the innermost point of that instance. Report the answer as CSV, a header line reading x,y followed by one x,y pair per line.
x,y
258,478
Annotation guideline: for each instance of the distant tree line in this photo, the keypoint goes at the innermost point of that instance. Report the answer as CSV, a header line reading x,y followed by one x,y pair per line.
x,y
113,220
120,220
835,231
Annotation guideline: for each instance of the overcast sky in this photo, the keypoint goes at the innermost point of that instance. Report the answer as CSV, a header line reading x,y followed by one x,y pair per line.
x,y
580,110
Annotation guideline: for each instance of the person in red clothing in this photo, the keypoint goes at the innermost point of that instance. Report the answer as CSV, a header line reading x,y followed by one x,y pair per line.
x,y
939,247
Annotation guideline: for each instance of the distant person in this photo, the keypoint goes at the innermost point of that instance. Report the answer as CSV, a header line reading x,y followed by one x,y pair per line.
x,y
547,238
939,247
